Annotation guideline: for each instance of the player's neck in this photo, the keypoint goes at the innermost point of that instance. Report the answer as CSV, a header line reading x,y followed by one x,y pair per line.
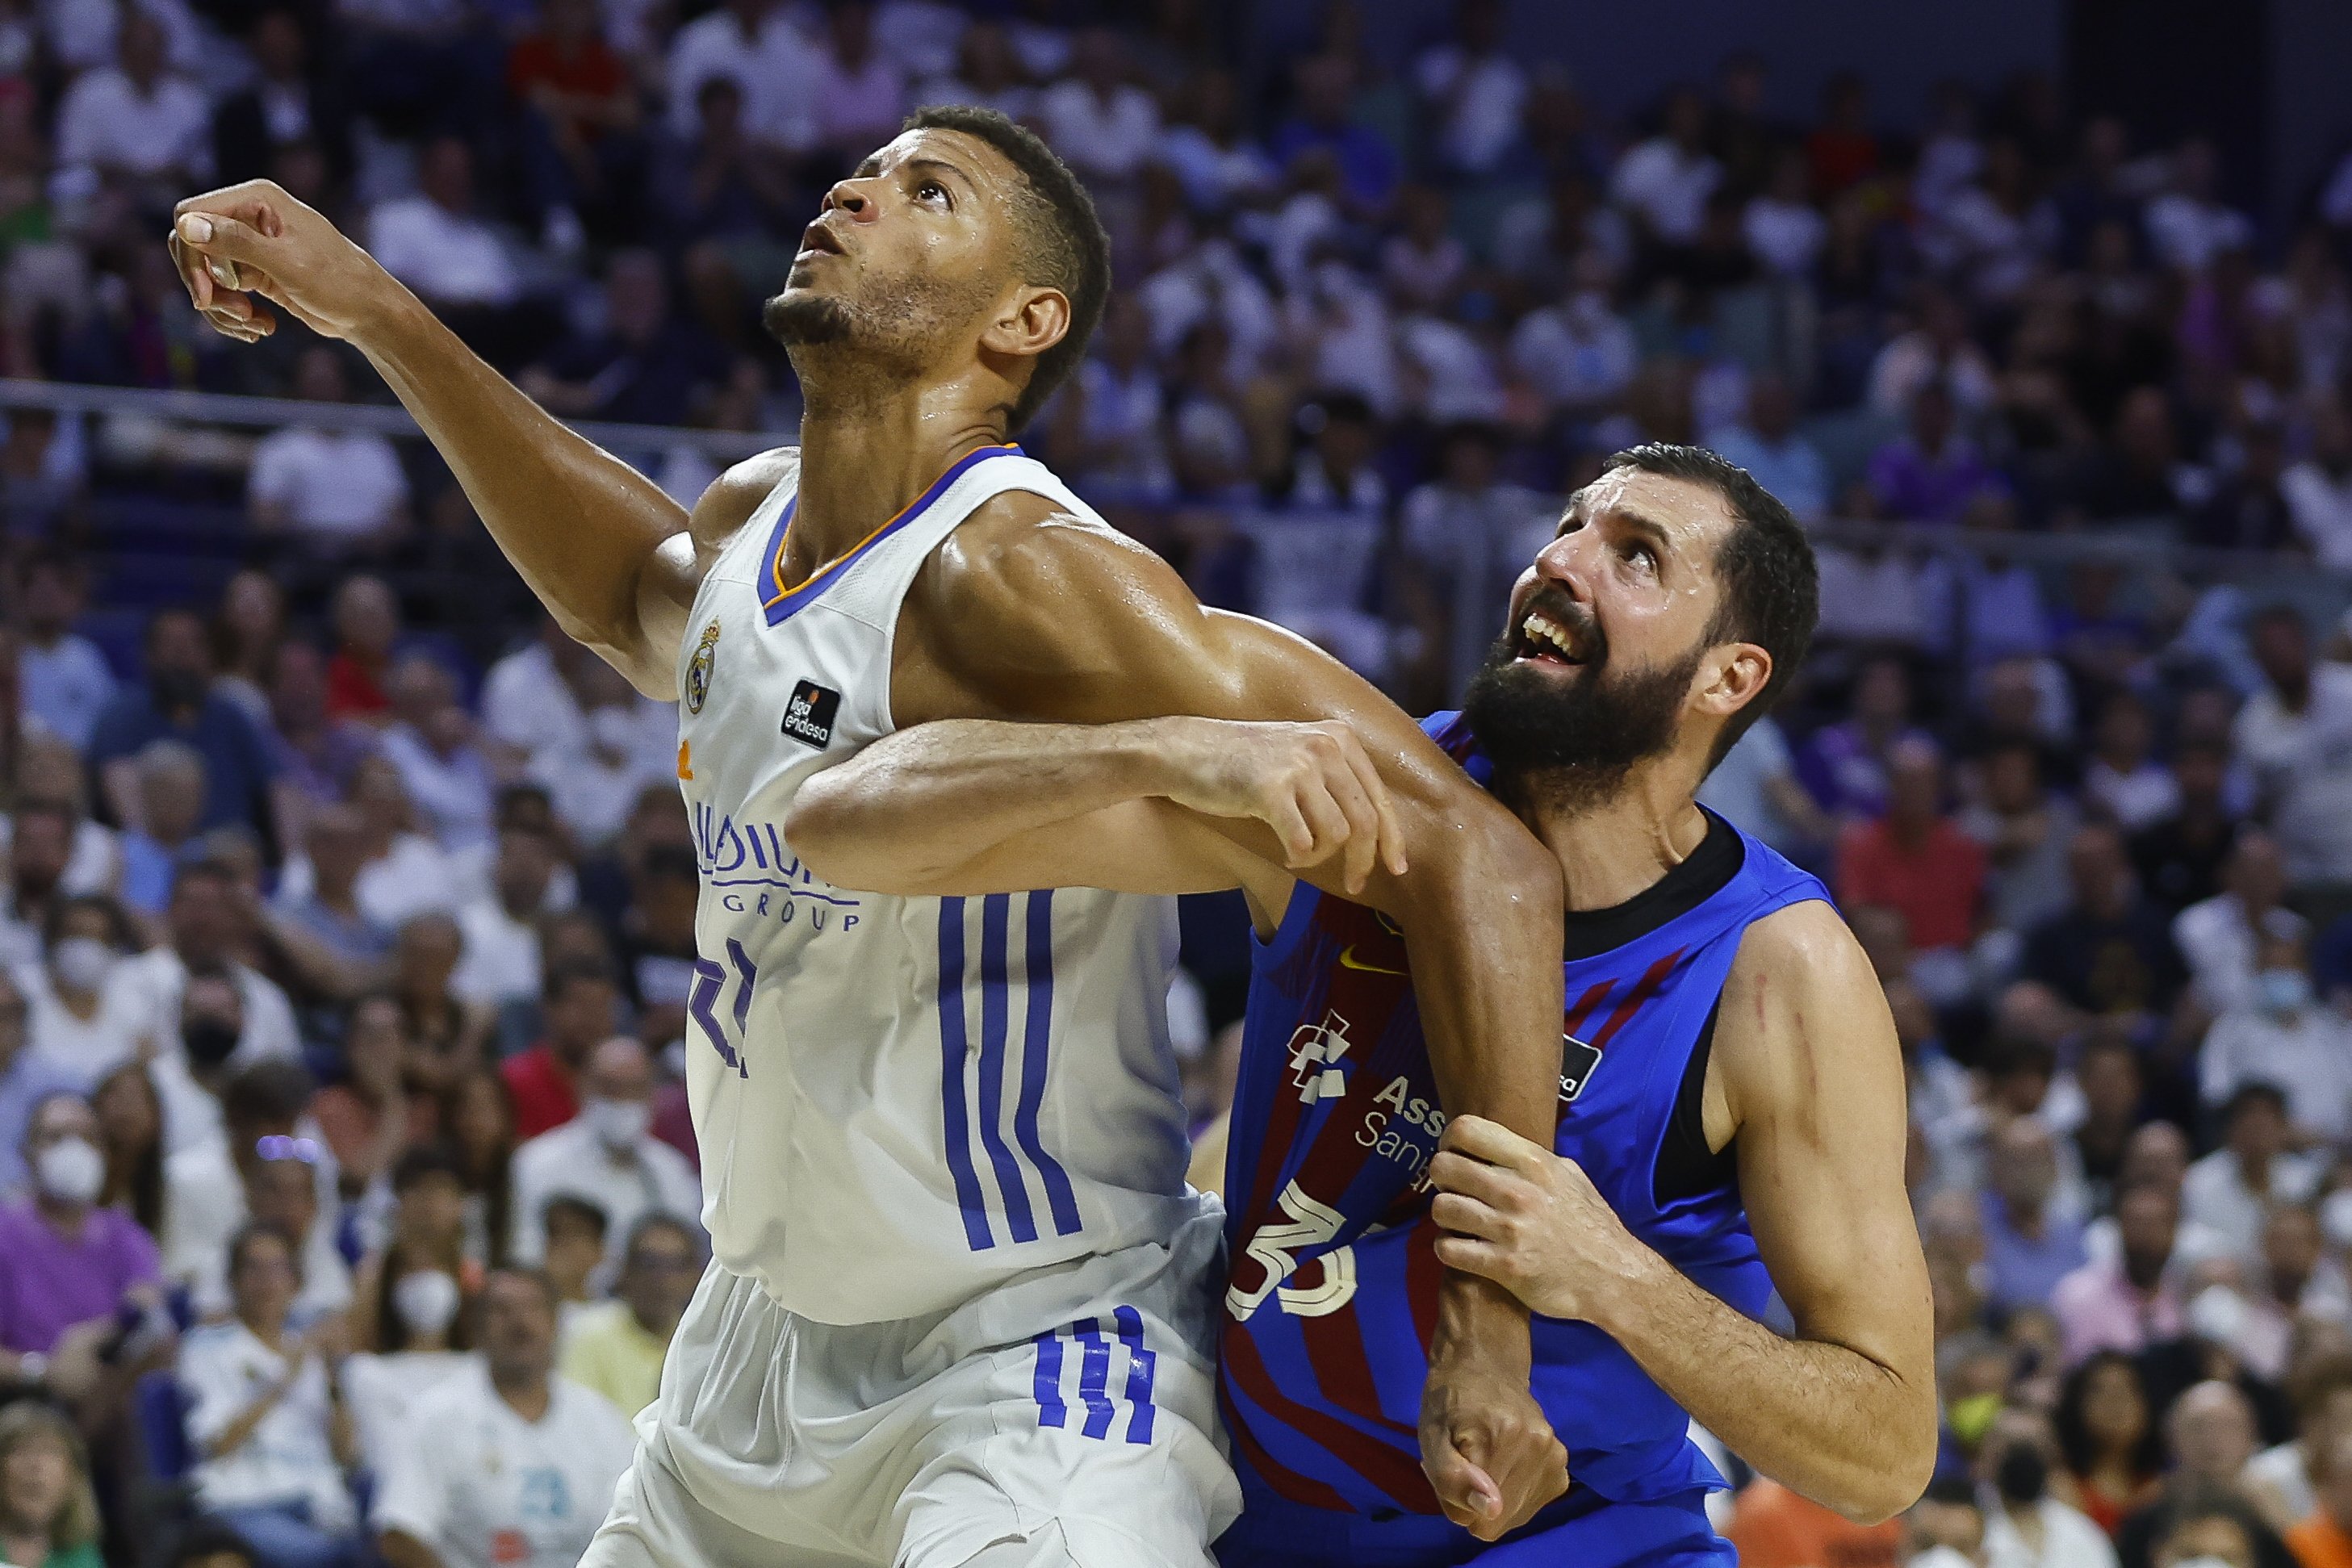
x,y
1611,849
868,452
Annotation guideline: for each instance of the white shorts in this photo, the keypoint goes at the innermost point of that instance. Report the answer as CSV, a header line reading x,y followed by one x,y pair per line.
x,y
1073,1409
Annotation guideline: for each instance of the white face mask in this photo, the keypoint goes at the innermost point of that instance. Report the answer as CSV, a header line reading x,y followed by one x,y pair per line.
x,y
2335,1218
620,1123
427,1300
70,1170
2217,1314
80,962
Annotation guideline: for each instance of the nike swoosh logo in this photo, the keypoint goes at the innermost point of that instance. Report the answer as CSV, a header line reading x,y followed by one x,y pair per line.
x,y
1348,960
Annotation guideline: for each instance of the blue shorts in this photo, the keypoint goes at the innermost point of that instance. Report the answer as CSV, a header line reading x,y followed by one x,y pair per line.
x,y
1582,1530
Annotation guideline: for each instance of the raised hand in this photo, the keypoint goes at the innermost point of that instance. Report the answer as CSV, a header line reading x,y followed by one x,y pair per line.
x,y
251,239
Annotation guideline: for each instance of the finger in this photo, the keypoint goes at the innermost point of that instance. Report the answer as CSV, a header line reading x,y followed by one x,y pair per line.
x,y
1466,1216
1472,1256
1456,1173
1363,823
219,237
1467,1493
1290,826
1325,821
1391,833
1492,1142
192,277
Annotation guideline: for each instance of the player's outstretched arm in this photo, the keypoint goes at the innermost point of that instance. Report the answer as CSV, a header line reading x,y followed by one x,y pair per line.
x,y
605,550
1811,1083
977,805
1030,613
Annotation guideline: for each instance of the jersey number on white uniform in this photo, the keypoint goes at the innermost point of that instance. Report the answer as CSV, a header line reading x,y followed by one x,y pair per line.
x,y
709,980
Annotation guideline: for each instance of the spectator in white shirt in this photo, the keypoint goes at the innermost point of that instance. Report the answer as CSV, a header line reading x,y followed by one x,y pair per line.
x,y
604,1155
266,1149
433,242
431,743
203,926
2283,1036
2137,790
2218,937
406,873
77,1023
1475,90
861,90
2318,490
523,1463
2187,227
2030,1528
1103,124
1666,180
341,487
2232,1189
265,1415
987,74
136,119
754,43
1771,447
1784,229
62,680
502,965
1580,354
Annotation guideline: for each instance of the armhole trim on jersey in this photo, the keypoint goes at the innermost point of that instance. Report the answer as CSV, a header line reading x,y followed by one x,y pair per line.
x,y
1686,1168
1296,916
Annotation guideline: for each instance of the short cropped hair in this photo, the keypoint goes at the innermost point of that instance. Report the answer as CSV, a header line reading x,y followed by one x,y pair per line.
x,y
1062,242
1771,586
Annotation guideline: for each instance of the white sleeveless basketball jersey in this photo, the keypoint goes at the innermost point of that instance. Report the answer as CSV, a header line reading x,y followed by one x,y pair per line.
x,y
899,1101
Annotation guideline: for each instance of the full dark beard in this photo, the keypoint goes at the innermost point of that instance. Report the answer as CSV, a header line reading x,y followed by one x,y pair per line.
x,y
1568,744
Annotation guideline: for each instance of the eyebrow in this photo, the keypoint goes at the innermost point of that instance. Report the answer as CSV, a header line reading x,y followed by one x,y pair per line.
x,y
942,166
1647,527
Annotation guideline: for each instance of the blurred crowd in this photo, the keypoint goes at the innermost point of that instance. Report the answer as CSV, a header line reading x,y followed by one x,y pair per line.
x,y
347,953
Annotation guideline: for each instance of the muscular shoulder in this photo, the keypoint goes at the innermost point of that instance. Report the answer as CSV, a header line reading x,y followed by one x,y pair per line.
x,y
735,495
1027,588
1802,1011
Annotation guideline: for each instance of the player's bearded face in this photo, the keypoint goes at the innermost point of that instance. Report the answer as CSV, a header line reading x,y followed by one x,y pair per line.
x,y
1568,734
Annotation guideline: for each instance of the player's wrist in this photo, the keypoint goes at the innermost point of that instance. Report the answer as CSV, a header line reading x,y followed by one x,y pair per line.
x,y
1478,1320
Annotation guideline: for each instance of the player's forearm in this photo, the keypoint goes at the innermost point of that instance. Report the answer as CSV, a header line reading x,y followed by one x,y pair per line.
x,y
579,524
1483,924
1835,1423
913,806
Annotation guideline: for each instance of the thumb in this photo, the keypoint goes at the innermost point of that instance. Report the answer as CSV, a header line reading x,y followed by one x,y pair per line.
x,y
1463,1486
224,238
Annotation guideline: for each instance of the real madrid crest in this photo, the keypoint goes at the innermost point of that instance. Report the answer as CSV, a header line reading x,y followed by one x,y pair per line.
x,y
698,674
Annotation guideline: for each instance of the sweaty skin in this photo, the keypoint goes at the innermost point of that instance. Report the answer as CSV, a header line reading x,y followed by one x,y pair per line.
x,y
1023,615
1805,1080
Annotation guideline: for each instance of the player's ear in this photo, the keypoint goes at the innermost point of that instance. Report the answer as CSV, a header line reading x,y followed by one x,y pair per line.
x,y
1035,318
1733,676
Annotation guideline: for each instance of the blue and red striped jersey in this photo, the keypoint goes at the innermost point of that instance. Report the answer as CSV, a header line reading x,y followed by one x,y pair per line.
x,y
1334,1280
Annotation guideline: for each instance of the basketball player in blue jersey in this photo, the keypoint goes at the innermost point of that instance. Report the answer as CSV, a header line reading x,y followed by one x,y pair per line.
x,y
1729,1121
960,1311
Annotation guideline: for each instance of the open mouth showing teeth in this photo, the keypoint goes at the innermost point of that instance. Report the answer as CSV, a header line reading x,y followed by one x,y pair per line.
x,y
1545,641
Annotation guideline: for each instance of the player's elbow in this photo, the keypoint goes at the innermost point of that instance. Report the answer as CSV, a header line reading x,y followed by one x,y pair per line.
x,y
1890,1478
1488,864
830,826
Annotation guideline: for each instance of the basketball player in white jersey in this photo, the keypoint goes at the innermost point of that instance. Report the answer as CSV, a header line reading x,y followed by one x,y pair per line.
x,y
958,1307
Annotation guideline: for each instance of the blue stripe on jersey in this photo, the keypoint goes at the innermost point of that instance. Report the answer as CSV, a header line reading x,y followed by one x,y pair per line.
x,y
1047,1386
1093,1377
1142,1365
952,1049
1036,1040
995,915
